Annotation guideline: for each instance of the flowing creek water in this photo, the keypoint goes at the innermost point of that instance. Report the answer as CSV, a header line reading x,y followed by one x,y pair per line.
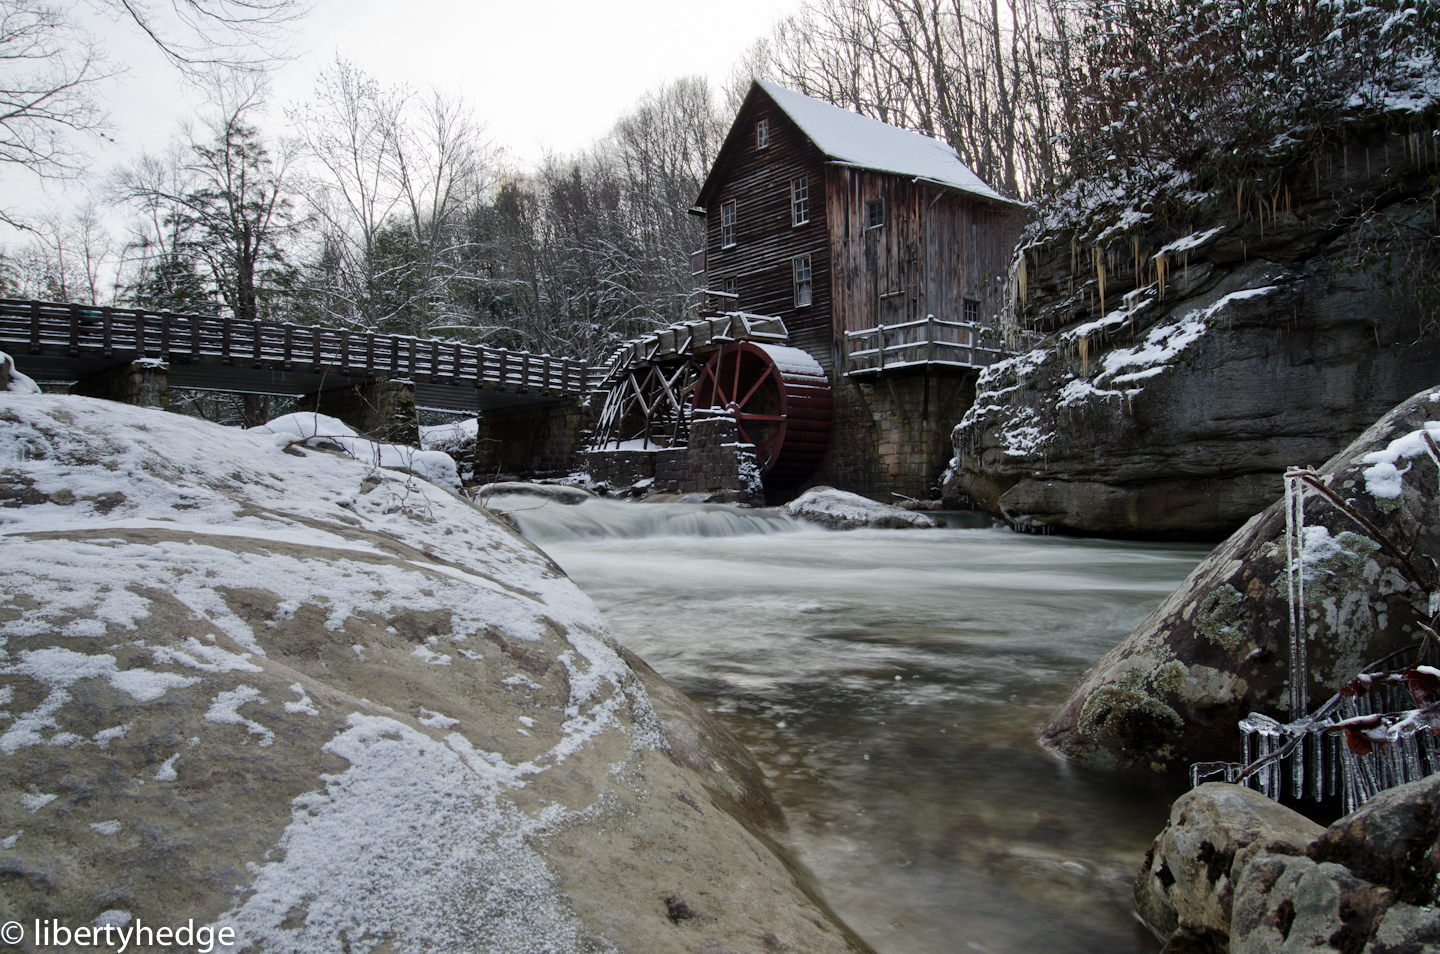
x,y
891,683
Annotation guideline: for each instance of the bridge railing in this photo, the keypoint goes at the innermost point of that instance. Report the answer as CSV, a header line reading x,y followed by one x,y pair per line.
x,y
927,341
72,330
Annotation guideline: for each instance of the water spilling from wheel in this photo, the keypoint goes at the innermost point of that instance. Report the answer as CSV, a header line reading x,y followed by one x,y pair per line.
x,y
891,683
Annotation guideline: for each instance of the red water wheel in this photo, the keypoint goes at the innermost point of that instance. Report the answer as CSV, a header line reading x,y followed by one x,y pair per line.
x,y
780,399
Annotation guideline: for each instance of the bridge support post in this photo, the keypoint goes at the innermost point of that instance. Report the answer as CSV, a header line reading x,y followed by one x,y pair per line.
x,y
538,441
381,409
141,383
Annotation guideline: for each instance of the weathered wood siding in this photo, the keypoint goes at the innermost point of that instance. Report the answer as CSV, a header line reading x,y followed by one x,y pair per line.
x,y
758,180
936,249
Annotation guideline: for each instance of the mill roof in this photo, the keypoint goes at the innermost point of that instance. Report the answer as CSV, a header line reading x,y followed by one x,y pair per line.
x,y
850,139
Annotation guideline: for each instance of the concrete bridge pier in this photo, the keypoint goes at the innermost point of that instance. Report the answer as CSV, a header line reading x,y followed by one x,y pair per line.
x,y
142,383
380,408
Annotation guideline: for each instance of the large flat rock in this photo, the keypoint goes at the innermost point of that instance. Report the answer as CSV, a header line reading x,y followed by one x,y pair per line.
x,y
335,707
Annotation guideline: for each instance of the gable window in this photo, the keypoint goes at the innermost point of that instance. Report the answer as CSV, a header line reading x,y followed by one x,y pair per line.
x,y
799,201
801,266
875,214
762,134
972,310
727,224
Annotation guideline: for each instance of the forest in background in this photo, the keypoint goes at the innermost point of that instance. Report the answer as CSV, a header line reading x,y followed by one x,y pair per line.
x,y
387,208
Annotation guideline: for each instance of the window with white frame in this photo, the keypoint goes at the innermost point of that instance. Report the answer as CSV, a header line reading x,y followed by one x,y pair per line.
x,y
727,224
799,200
801,265
874,213
762,134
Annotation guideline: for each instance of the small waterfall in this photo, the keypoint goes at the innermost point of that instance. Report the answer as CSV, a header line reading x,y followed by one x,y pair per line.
x,y
548,521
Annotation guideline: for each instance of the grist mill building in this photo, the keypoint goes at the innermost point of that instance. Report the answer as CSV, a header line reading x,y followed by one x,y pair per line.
x,y
853,276
883,254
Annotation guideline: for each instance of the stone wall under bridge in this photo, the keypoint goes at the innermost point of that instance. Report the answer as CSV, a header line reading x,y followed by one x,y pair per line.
x,y
892,431
539,441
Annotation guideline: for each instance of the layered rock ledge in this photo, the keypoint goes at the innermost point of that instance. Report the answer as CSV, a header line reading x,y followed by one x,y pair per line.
x,y
1176,370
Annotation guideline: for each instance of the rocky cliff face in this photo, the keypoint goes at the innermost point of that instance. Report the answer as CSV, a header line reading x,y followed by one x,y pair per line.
x,y
1174,379
252,681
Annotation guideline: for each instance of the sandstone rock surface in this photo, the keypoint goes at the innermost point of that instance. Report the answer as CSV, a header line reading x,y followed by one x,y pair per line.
x,y
338,708
1188,881
1218,648
1234,872
842,510
1168,403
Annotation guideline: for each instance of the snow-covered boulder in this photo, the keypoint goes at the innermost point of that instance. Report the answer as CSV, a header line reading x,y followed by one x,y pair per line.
x,y
1219,648
310,429
560,493
842,510
12,380
455,438
336,707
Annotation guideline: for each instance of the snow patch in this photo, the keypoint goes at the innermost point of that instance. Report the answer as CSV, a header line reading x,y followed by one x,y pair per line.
x,y
435,720
225,709
1384,480
392,846
1192,241
34,801
303,706
18,383
318,430
167,772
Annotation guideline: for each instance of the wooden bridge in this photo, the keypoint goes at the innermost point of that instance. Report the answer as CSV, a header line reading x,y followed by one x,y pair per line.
x,y
69,342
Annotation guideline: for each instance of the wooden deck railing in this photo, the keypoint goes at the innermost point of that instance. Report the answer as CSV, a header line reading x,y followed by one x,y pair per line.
x,y
60,330
928,341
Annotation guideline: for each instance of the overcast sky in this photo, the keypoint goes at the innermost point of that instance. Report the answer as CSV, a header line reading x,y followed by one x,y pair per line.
x,y
541,74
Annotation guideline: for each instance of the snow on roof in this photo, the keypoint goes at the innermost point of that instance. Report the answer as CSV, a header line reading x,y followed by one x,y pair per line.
x,y
855,140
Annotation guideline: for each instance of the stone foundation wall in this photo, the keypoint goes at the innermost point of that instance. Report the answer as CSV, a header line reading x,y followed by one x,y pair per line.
x,y
892,433
619,468
141,383
531,442
715,461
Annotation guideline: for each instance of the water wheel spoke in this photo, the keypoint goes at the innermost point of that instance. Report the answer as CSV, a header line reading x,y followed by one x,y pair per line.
x,y
774,392
753,388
